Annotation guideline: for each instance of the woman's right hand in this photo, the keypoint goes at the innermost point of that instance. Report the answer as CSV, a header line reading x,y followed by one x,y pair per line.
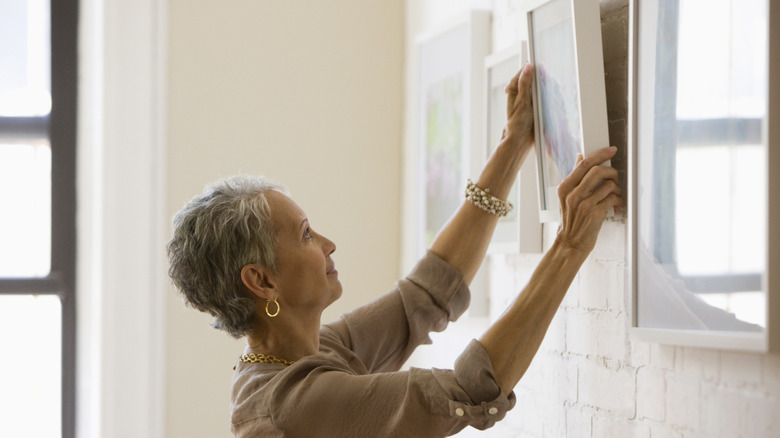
x,y
586,196
519,128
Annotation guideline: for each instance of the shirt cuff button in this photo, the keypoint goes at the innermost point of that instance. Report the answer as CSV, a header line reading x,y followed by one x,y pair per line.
x,y
459,412
493,410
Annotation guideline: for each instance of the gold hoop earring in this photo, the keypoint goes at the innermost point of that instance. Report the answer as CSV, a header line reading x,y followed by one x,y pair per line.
x,y
278,308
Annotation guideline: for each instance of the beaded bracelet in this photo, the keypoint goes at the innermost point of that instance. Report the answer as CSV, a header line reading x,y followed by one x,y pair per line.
x,y
485,201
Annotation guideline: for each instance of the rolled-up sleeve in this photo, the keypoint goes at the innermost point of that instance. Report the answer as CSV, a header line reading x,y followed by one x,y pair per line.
x,y
486,403
385,332
312,399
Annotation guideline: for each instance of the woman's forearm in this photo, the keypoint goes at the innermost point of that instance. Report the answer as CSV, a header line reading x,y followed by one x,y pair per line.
x,y
463,241
586,196
514,339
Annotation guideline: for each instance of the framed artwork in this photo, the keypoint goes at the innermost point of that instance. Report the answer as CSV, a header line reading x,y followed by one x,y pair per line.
x,y
449,118
570,102
704,190
520,230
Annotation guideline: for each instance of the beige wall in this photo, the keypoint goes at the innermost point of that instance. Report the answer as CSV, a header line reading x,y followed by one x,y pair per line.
x,y
309,94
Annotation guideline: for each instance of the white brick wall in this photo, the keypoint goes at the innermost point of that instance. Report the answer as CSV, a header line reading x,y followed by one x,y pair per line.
x,y
589,379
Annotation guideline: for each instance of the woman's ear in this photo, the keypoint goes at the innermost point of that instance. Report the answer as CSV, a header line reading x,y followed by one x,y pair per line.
x,y
257,280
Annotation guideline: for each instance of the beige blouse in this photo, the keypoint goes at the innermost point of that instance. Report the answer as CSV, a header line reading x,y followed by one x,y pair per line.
x,y
353,388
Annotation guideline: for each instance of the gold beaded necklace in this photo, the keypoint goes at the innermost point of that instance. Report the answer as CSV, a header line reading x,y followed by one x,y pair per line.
x,y
264,358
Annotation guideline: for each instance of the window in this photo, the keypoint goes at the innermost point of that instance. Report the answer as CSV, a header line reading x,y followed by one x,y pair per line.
x,y
720,120
707,195
37,224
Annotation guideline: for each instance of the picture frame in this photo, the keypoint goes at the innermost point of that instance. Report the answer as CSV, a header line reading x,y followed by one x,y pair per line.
x,y
519,231
448,119
570,103
682,291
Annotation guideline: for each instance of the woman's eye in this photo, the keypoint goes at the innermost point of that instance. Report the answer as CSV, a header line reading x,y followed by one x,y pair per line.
x,y
307,233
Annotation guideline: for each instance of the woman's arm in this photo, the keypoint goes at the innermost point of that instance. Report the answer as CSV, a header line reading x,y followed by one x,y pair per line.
x,y
586,196
463,241
385,332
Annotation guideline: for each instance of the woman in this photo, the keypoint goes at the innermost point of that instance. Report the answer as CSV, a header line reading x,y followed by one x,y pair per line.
x,y
245,252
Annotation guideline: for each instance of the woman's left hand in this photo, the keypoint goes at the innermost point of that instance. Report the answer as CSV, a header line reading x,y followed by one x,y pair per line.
x,y
586,196
519,128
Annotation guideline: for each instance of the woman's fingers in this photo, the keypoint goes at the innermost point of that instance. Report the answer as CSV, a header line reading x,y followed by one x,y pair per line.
x,y
519,107
584,166
519,91
596,177
511,93
602,196
587,195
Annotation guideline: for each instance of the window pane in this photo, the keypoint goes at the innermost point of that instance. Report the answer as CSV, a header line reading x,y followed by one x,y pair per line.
x,y
30,372
25,58
722,62
25,224
701,157
721,192
747,306
721,187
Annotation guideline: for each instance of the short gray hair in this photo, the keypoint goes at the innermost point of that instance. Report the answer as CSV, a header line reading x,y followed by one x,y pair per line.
x,y
215,235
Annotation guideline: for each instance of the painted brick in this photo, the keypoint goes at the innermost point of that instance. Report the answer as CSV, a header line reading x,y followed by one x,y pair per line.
x,y
613,390
607,427
639,353
682,400
592,298
611,335
596,333
771,375
650,394
538,382
763,418
557,379
570,394
527,414
502,429
704,362
667,431
512,425
578,423
579,336
616,288
737,369
662,356
599,333
725,413
554,425
612,242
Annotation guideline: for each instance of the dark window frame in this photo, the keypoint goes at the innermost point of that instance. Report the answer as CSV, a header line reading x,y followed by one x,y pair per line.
x,y
60,129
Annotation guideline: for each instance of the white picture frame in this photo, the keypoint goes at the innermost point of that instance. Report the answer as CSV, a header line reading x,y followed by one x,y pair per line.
x,y
683,319
449,114
570,103
519,231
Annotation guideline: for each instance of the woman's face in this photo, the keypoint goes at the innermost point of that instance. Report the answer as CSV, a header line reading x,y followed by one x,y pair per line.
x,y
307,279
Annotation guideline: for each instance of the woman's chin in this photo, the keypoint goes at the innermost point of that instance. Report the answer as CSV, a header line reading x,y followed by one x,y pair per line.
x,y
338,293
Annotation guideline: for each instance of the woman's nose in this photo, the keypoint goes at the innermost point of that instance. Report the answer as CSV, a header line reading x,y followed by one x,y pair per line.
x,y
328,247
